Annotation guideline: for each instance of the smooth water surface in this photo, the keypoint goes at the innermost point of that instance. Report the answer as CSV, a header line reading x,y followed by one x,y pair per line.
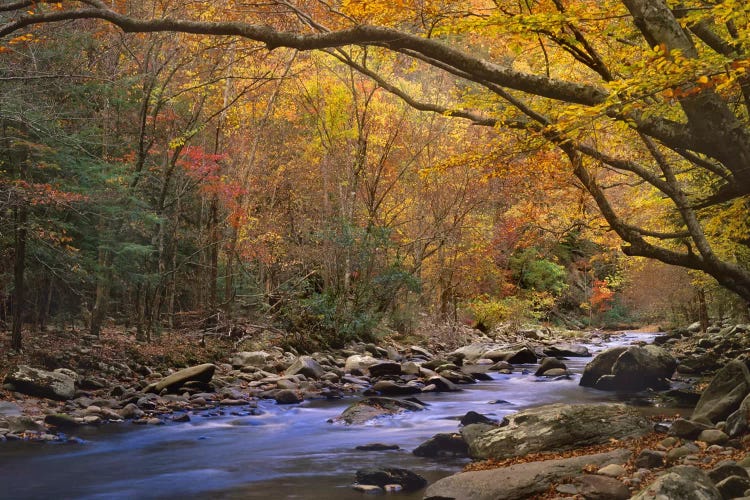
x,y
286,452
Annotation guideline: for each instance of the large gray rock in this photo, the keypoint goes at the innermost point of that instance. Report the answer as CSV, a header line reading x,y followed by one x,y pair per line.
x,y
724,394
41,383
517,481
199,373
631,368
307,366
739,421
359,362
683,483
371,408
556,427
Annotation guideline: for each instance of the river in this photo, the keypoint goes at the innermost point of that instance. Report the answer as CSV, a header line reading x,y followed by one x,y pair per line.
x,y
285,452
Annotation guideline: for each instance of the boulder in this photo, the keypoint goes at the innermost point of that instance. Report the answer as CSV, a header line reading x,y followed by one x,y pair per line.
x,y
739,422
517,481
725,469
41,383
307,366
557,427
473,417
566,350
443,445
550,364
683,482
733,486
375,407
724,393
631,368
199,373
408,480
359,362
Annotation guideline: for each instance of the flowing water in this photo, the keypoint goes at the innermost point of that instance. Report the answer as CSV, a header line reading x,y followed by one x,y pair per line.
x,y
285,452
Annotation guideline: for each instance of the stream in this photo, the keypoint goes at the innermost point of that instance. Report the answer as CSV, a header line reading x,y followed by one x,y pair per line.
x,y
285,452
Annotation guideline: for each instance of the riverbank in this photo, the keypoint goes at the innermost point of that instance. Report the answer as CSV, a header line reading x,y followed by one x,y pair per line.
x,y
241,381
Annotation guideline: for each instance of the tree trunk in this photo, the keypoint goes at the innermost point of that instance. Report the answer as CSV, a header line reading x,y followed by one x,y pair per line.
x,y
102,291
18,272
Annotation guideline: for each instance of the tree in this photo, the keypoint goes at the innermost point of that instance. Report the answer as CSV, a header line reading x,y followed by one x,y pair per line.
x,y
658,104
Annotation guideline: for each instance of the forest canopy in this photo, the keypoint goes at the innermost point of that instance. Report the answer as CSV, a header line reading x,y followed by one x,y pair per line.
x,y
331,164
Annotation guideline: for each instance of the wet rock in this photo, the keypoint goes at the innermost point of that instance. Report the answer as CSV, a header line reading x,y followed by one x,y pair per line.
x,y
557,427
517,481
377,447
200,373
594,487
724,393
566,350
443,445
516,356
550,364
442,384
41,383
683,482
307,366
390,388
407,479
130,411
473,417
501,366
21,424
368,489
287,397
375,407
385,369
650,459
61,421
733,486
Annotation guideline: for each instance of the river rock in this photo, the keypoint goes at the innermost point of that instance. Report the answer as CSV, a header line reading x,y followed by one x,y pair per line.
x,y
61,420
739,421
733,486
473,417
385,368
444,444
724,394
375,407
391,388
377,447
287,397
41,383
595,487
550,364
359,362
725,469
681,482
557,427
517,481
631,368
408,480
307,366
566,350
200,373
22,424
686,428
249,358
514,356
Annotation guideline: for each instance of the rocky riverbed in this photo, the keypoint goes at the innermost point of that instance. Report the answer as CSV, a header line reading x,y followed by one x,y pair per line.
x,y
579,450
